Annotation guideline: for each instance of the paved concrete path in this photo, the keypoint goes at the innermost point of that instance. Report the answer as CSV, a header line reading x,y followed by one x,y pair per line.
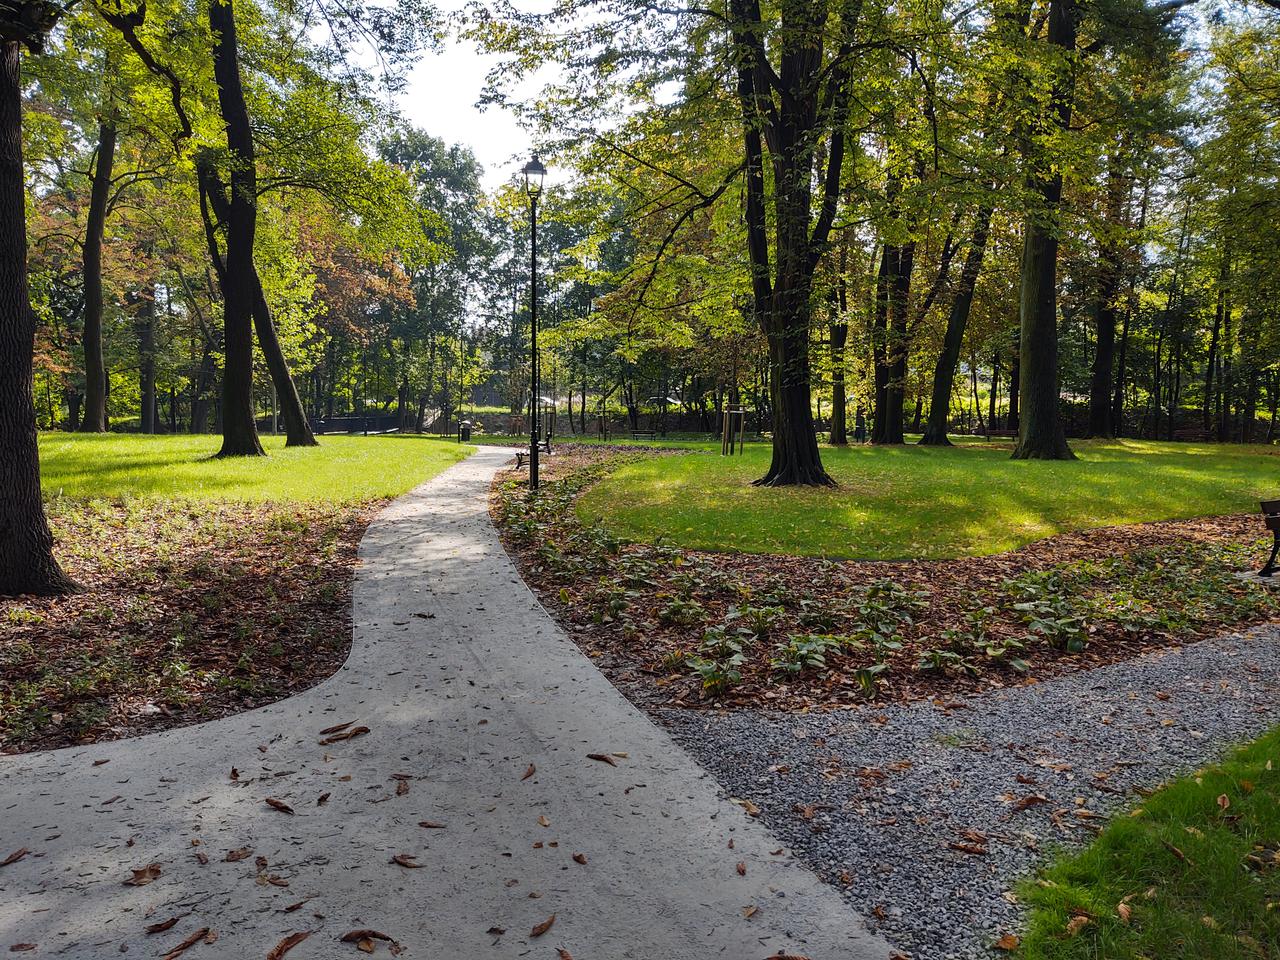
x,y
465,685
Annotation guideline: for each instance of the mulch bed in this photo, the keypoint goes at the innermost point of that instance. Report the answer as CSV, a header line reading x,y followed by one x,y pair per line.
x,y
188,611
642,612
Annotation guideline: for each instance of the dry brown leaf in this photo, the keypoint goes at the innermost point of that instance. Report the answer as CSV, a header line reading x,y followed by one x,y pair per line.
x,y
235,774
1223,801
543,821
355,935
22,947
345,735
402,787
236,855
1008,943
530,772
14,857
407,860
162,926
603,758
742,868
543,927
143,875
188,943
431,824
280,805
322,799
287,944
970,848
1076,924
1030,800
751,911
1124,911
295,907
563,954
335,728
580,858
496,931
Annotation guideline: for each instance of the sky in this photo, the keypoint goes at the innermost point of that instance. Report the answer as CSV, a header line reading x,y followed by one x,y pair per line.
x,y
440,98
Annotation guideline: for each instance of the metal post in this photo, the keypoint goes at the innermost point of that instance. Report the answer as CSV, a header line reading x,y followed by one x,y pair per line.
x,y
535,426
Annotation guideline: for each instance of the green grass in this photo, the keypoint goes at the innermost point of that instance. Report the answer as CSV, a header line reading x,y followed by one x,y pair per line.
x,y
1181,864
341,470
925,502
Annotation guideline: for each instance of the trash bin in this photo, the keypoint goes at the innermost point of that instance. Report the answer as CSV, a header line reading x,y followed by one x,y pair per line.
x,y
464,431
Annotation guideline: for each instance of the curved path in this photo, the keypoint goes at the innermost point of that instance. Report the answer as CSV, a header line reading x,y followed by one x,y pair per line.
x,y
465,685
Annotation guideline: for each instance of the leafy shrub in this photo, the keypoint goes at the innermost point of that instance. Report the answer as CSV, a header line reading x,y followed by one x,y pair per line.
x,y
805,652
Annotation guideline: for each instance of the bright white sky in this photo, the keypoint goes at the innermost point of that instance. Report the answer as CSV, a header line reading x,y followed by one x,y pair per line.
x,y
441,98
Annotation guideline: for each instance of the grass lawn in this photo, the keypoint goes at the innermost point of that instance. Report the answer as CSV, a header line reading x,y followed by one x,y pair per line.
x,y
341,470
925,502
1193,872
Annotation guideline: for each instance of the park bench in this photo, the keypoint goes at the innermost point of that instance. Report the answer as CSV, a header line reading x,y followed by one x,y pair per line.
x,y
1271,516
522,456
643,434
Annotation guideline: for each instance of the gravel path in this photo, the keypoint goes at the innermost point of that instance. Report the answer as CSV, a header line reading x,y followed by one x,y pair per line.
x,y
897,804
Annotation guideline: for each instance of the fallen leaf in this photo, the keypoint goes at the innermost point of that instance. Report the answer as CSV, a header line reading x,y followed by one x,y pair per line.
x,y
294,907
543,927
580,858
335,728
971,848
1124,911
1030,800
1008,943
144,875
355,935
603,758
162,926
235,774
742,868
345,735
530,772
22,947
751,911
496,931
431,824
287,944
236,855
543,821
322,799
1076,924
14,857
402,787
202,858
1223,801
563,954
407,860
188,943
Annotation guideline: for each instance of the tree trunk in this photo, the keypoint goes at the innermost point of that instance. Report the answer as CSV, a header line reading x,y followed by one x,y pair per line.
x,y
1014,418
1040,433
839,329
1106,307
944,372
296,426
145,326
27,564
95,374
239,430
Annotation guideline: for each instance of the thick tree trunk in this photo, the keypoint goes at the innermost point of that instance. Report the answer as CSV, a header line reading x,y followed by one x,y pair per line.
x,y
95,373
239,430
944,372
1040,434
27,564
1117,397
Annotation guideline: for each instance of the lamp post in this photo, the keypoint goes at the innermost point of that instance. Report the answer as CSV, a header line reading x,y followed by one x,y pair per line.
x,y
534,172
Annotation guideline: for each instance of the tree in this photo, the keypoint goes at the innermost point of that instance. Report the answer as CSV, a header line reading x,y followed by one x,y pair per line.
x,y
27,564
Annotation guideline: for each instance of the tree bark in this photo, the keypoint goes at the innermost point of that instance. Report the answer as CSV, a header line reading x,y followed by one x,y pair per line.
x,y
944,372
27,564
297,427
839,332
95,373
239,429
1040,434
1106,309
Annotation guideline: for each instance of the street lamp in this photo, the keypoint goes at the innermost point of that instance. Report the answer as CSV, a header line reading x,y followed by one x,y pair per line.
x,y
534,172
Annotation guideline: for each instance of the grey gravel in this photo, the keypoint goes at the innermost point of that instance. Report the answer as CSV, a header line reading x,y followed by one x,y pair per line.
x,y
871,798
